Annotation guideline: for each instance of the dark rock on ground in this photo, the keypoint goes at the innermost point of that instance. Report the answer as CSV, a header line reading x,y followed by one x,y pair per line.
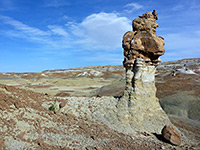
x,y
171,135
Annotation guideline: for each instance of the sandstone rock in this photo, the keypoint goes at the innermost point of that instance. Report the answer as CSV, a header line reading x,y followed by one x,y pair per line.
x,y
142,42
171,135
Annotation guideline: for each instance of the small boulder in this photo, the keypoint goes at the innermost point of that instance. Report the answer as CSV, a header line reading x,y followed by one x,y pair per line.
x,y
98,95
170,134
62,104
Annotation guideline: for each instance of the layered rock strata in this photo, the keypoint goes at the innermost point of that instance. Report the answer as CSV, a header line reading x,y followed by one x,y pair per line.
x,y
139,107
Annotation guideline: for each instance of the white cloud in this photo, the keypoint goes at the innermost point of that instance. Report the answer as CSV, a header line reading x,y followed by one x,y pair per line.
x,y
54,38
101,31
58,30
131,7
23,31
23,27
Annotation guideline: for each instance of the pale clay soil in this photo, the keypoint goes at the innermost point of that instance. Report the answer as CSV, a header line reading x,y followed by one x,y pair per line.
x,y
26,122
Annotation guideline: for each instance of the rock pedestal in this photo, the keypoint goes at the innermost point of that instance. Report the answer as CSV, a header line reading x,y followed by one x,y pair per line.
x,y
140,80
139,107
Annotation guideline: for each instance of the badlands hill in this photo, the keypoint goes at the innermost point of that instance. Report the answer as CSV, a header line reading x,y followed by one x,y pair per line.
x,y
177,82
76,122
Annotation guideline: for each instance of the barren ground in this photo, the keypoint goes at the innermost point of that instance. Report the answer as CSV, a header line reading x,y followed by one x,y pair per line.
x,y
26,122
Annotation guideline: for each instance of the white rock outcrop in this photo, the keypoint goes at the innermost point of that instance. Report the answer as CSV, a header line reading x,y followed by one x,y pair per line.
x,y
139,107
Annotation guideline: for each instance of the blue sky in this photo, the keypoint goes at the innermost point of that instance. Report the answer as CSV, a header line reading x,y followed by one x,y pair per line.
x,y
36,35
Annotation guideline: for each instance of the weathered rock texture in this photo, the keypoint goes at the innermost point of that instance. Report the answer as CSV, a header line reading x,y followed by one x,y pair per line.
x,y
139,106
171,135
143,42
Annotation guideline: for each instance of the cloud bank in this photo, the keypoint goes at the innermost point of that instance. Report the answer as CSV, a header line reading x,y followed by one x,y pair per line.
x,y
102,31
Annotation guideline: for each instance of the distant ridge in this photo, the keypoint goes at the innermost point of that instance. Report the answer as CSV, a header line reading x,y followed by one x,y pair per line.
x,y
182,61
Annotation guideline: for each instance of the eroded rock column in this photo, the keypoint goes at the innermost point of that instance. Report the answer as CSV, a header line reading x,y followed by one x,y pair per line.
x,y
142,48
139,107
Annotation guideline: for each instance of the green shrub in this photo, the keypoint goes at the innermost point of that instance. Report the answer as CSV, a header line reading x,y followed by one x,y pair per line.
x,y
53,106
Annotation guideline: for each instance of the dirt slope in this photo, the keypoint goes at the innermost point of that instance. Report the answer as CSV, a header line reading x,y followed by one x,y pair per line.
x,y
27,123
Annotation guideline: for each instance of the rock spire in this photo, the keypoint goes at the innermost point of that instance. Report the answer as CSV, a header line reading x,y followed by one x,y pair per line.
x,y
142,48
139,107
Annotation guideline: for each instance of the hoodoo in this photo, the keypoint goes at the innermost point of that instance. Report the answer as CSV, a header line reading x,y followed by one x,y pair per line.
x,y
139,107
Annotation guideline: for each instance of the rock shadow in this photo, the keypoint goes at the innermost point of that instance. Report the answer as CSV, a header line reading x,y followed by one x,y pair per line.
x,y
118,97
161,138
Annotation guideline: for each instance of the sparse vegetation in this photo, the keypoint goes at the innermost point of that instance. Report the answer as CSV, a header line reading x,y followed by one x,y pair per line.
x,y
53,106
